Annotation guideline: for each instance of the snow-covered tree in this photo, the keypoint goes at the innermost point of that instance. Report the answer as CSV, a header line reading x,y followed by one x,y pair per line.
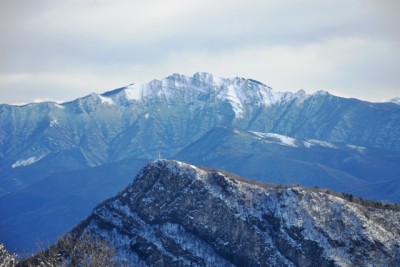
x,y
85,251
6,259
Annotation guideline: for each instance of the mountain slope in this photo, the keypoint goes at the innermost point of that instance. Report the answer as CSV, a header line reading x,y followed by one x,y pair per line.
x,y
47,209
286,160
175,214
164,116
176,117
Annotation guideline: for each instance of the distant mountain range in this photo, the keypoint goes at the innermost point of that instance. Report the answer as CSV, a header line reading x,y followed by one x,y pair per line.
x,y
395,100
54,156
176,214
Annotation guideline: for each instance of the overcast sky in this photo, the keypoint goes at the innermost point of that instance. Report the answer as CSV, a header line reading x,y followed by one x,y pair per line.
x,y
61,50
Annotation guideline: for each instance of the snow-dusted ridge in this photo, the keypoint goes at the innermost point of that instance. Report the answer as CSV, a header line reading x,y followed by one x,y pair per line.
x,y
178,213
227,88
106,100
182,119
239,92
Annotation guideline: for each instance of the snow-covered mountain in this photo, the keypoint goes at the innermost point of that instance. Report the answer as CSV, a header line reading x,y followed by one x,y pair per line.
x,y
53,155
175,214
238,92
395,100
163,116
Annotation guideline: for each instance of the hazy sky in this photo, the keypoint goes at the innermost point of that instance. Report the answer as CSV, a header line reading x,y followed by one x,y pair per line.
x,y
61,50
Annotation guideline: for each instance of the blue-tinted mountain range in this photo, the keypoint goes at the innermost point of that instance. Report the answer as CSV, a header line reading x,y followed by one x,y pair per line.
x,y
59,157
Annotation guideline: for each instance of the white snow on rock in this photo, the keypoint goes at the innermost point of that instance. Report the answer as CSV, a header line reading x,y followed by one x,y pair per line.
x,y
155,88
59,106
282,139
348,233
293,142
360,149
134,92
321,143
26,162
239,92
308,144
53,122
235,97
106,100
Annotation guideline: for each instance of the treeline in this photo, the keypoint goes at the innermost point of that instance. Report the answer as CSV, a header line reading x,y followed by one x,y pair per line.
x,y
349,197
70,250
364,202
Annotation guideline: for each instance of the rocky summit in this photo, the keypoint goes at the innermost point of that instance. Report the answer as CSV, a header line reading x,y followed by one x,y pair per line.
x,y
176,214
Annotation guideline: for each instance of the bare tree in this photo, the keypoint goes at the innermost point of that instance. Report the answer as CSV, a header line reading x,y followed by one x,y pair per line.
x,y
6,259
83,251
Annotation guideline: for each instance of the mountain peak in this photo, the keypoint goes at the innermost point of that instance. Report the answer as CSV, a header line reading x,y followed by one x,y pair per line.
x,y
176,213
322,92
176,117
113,92
239,92
176,167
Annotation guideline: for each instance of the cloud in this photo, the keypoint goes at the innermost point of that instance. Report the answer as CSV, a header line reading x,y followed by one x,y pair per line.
x,y
65,48
334,65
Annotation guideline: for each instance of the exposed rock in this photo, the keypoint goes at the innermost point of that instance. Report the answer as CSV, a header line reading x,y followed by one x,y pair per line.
x,y
45,142
175,214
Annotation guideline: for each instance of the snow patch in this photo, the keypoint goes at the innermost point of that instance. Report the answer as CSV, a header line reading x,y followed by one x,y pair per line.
x,y
59,106
133,92
53,122
270,98
308,144
218,81
360,149
232,96
282,139
26,162
321,143
106,100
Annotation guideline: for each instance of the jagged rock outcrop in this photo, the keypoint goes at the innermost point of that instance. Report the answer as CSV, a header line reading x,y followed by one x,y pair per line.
x,y
175,214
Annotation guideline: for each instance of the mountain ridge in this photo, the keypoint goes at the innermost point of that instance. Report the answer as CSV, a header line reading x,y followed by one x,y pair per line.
x,y
42,142
303,116
177,214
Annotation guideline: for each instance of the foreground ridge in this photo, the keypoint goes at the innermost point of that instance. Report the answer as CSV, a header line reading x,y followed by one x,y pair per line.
x,y
176,214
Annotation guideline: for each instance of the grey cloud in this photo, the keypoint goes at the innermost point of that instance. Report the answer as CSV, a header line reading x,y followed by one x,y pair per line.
x,y
121,37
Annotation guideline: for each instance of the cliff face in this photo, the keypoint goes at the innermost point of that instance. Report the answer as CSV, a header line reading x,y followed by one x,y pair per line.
x,y
175,214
